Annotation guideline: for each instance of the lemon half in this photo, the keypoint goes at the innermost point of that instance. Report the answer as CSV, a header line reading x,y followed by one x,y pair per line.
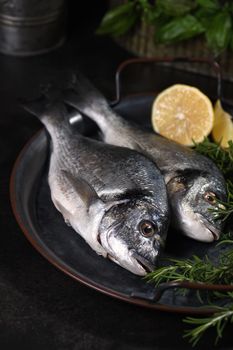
x,y
223,127
183,113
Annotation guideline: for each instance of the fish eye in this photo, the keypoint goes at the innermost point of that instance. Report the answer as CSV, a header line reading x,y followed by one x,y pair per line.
x,y
180,180
147,228
210,197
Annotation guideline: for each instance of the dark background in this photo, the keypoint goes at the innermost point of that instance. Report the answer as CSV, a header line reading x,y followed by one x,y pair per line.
x,y
40,307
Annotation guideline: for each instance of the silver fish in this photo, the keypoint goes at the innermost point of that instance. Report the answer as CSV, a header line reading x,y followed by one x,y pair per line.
x,y
114,197
193,181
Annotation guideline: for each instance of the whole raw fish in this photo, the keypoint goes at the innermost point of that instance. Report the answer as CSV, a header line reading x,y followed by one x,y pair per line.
x,y
194,183
114,197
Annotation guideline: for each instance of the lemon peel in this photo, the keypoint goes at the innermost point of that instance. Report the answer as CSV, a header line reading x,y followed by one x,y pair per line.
x,y
183,113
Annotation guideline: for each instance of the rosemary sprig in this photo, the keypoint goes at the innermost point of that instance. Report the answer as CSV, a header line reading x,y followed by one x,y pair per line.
x,y
195,270
224,210
202,269
223,158
219,320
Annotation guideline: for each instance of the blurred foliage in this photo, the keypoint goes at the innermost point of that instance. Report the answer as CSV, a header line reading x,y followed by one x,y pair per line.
x,y
175,21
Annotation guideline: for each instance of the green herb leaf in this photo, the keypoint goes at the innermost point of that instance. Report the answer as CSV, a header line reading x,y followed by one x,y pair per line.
x,y
178,29
117,12
126,23
218,34
209,4
218,320
145,5
205,15
175,8
223,158
149,12
115,19
174,20
154,15
202,269
195,270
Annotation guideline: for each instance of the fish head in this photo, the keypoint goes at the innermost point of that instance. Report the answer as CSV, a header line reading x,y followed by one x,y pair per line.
x,y
133,234
194,197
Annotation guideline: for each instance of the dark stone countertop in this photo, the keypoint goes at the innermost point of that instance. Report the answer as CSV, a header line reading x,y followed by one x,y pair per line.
x,y
40,307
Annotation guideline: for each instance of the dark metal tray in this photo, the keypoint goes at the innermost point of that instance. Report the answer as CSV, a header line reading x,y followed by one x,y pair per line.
x,y
44,227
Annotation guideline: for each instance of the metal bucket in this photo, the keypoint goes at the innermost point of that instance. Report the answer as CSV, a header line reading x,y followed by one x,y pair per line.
x,y
30,27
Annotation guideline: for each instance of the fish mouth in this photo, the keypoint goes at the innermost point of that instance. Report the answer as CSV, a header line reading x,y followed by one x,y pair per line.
x,y
144,263
213,230
127,258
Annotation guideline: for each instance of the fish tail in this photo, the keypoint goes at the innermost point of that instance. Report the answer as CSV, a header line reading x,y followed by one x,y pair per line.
x,y
35,107
83,96
48,110
86,90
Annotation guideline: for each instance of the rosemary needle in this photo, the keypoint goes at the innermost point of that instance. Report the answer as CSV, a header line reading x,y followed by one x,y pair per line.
x,y
218,320
203,270
223,158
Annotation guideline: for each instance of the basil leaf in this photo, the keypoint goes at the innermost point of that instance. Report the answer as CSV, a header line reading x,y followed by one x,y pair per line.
x,y
144,4
147,10
178,29
123,26
117,12
204,16
154,14
112,17
218,34
175,8
209,4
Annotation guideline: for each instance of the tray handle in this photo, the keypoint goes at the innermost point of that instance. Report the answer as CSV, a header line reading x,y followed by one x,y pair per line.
x,y
156,294
123,65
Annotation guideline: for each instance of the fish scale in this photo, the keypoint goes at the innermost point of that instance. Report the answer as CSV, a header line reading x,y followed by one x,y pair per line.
x,y
194,183
114,197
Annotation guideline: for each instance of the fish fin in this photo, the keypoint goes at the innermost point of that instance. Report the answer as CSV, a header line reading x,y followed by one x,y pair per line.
x,y
45,108
82,95
85,89
85,191
62,210
49,101
36,107
72,98
90,211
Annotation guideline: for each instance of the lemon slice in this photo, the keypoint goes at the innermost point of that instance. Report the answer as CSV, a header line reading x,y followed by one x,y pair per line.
x,y
223,127
182,113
